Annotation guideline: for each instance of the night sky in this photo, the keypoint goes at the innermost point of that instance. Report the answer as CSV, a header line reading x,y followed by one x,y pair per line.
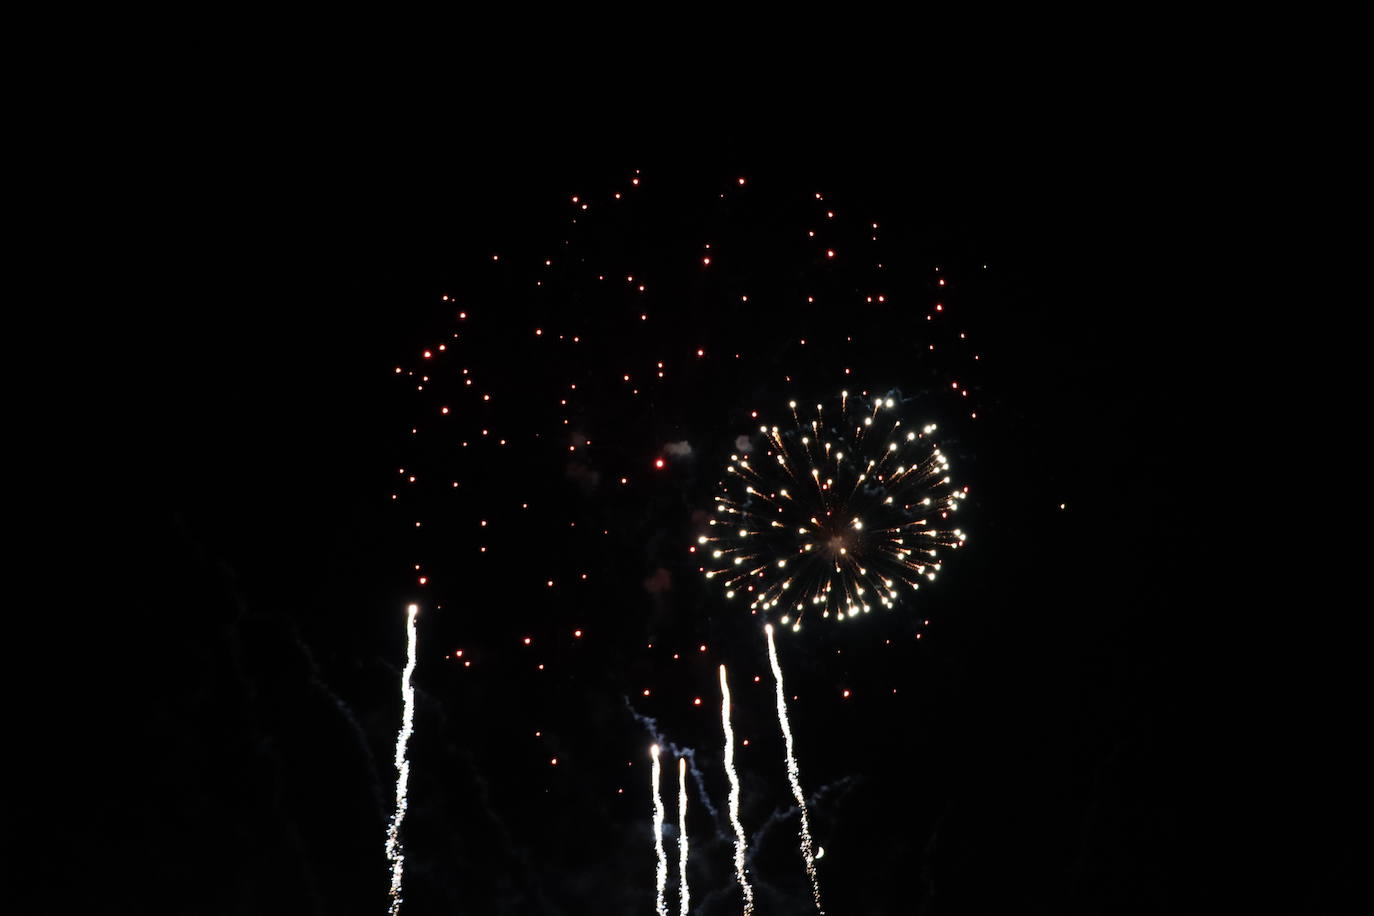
x,y
312,323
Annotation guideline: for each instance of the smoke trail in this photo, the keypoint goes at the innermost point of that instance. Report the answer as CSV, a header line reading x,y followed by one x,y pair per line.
x,y
393,835
682,832
793,776
658,834
734,794
651,725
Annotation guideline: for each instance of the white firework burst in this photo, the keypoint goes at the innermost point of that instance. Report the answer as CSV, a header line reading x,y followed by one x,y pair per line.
x,y
833,515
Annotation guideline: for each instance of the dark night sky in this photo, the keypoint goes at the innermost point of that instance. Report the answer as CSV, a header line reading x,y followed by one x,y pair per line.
x,y
1060,741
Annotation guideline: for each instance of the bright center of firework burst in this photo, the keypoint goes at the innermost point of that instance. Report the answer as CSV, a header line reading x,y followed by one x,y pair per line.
x,y
837,540
841,511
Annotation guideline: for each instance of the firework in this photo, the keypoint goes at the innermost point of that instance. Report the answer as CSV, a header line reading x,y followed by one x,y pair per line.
x,y
394,852
656,777
682,833
740,874
833,514
793,775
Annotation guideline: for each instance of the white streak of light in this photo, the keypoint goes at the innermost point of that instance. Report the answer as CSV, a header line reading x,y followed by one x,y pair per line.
x,y
393,836
734,794
793,776
658,834
682,832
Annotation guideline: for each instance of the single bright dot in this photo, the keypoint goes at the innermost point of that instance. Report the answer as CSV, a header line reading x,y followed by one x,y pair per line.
x,y
658,462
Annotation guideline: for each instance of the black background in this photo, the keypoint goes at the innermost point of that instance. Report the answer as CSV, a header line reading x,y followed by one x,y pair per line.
x,y
228,693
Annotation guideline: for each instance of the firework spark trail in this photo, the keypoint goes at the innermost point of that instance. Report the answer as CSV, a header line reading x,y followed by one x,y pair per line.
x,y
682,832
393,838
658,834
793,776
734,794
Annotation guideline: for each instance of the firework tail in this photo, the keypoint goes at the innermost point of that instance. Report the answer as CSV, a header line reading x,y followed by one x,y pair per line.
x,y
394,852
740,845
662,875
793,776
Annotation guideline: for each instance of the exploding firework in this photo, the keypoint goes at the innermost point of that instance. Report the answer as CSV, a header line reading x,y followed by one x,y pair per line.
x,y
833,514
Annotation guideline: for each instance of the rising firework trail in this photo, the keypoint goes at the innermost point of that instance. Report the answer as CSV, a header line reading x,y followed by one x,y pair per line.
x,y
393,837
658,834
740,844
793,776
682,832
